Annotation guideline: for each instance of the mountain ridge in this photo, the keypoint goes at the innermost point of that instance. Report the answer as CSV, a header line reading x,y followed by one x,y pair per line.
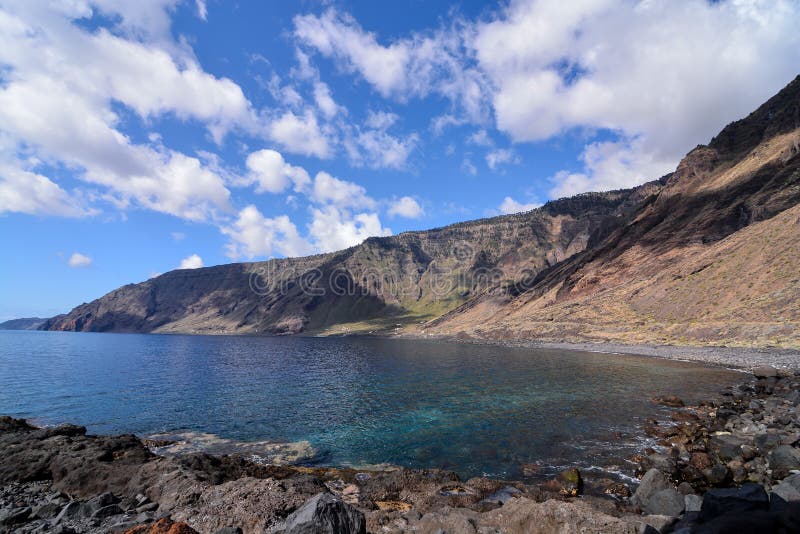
x,y
587,267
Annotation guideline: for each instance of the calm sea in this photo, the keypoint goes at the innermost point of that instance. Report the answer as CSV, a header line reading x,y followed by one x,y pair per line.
x,y
478,410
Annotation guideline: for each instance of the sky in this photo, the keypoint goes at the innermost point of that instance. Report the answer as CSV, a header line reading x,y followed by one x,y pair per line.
x,y
141,137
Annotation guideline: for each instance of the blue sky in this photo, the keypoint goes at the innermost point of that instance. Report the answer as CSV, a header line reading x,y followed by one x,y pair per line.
x,y
136,138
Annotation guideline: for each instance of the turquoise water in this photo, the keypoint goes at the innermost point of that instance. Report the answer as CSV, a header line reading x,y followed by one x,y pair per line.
x,y
478,410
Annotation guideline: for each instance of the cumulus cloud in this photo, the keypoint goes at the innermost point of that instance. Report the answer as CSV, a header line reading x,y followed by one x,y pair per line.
x,y
340,193
253,235
325,102
56,103
300,134
661,75
191,262
406,207
272,174
79,260
611,165
509,205
333,228
27,192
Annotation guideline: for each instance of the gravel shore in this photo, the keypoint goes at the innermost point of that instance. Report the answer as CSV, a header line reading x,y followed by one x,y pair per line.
x,y
744,358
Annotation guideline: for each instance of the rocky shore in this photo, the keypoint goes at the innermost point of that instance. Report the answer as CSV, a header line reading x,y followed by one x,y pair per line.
x,y
729,465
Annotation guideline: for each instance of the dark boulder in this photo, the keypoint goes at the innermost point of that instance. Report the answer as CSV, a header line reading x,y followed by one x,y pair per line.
x,y
748,498
325,514
784,459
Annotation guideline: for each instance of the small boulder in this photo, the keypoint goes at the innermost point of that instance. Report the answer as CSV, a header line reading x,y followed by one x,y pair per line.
x,y
651,483
325,514
665,502
784,459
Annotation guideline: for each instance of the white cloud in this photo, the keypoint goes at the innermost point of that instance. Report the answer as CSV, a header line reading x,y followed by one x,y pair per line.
x,y
379,149
324,100
178,236
509,205
191,262
381,120
406,207
253,235
27,192
340,193
335,36
202,9
480,138
611,165
501,156
300,134
56,104
273,174
660,74
333,228
419,65
79,260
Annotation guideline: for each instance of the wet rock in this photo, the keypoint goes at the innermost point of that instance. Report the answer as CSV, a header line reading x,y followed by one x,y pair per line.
x,y
325,514
571,482
784,459
669,400
748,498
665,502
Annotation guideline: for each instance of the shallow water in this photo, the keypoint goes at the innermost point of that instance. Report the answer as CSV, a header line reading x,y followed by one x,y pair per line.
x,y
479,410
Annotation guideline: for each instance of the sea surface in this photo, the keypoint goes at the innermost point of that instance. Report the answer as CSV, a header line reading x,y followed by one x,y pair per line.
x,y
478,410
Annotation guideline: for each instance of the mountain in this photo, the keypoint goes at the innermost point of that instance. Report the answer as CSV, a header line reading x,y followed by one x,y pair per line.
x,y
26,323
707,254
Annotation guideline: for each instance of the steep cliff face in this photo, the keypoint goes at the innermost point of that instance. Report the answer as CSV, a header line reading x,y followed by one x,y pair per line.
x,y
707,254
383,282
712,259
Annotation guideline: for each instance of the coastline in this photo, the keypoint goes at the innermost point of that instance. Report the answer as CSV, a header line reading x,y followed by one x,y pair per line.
x,y
736,358
734,461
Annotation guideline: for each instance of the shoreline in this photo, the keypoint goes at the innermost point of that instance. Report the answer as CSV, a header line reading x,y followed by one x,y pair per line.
x,y
734,358
744,448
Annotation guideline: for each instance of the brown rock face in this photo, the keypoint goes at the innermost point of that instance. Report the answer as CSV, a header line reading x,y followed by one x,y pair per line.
x,y
706,255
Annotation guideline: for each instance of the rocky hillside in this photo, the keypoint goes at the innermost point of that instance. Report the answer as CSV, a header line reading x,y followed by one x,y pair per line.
x,y
707,254
408,278
713,257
